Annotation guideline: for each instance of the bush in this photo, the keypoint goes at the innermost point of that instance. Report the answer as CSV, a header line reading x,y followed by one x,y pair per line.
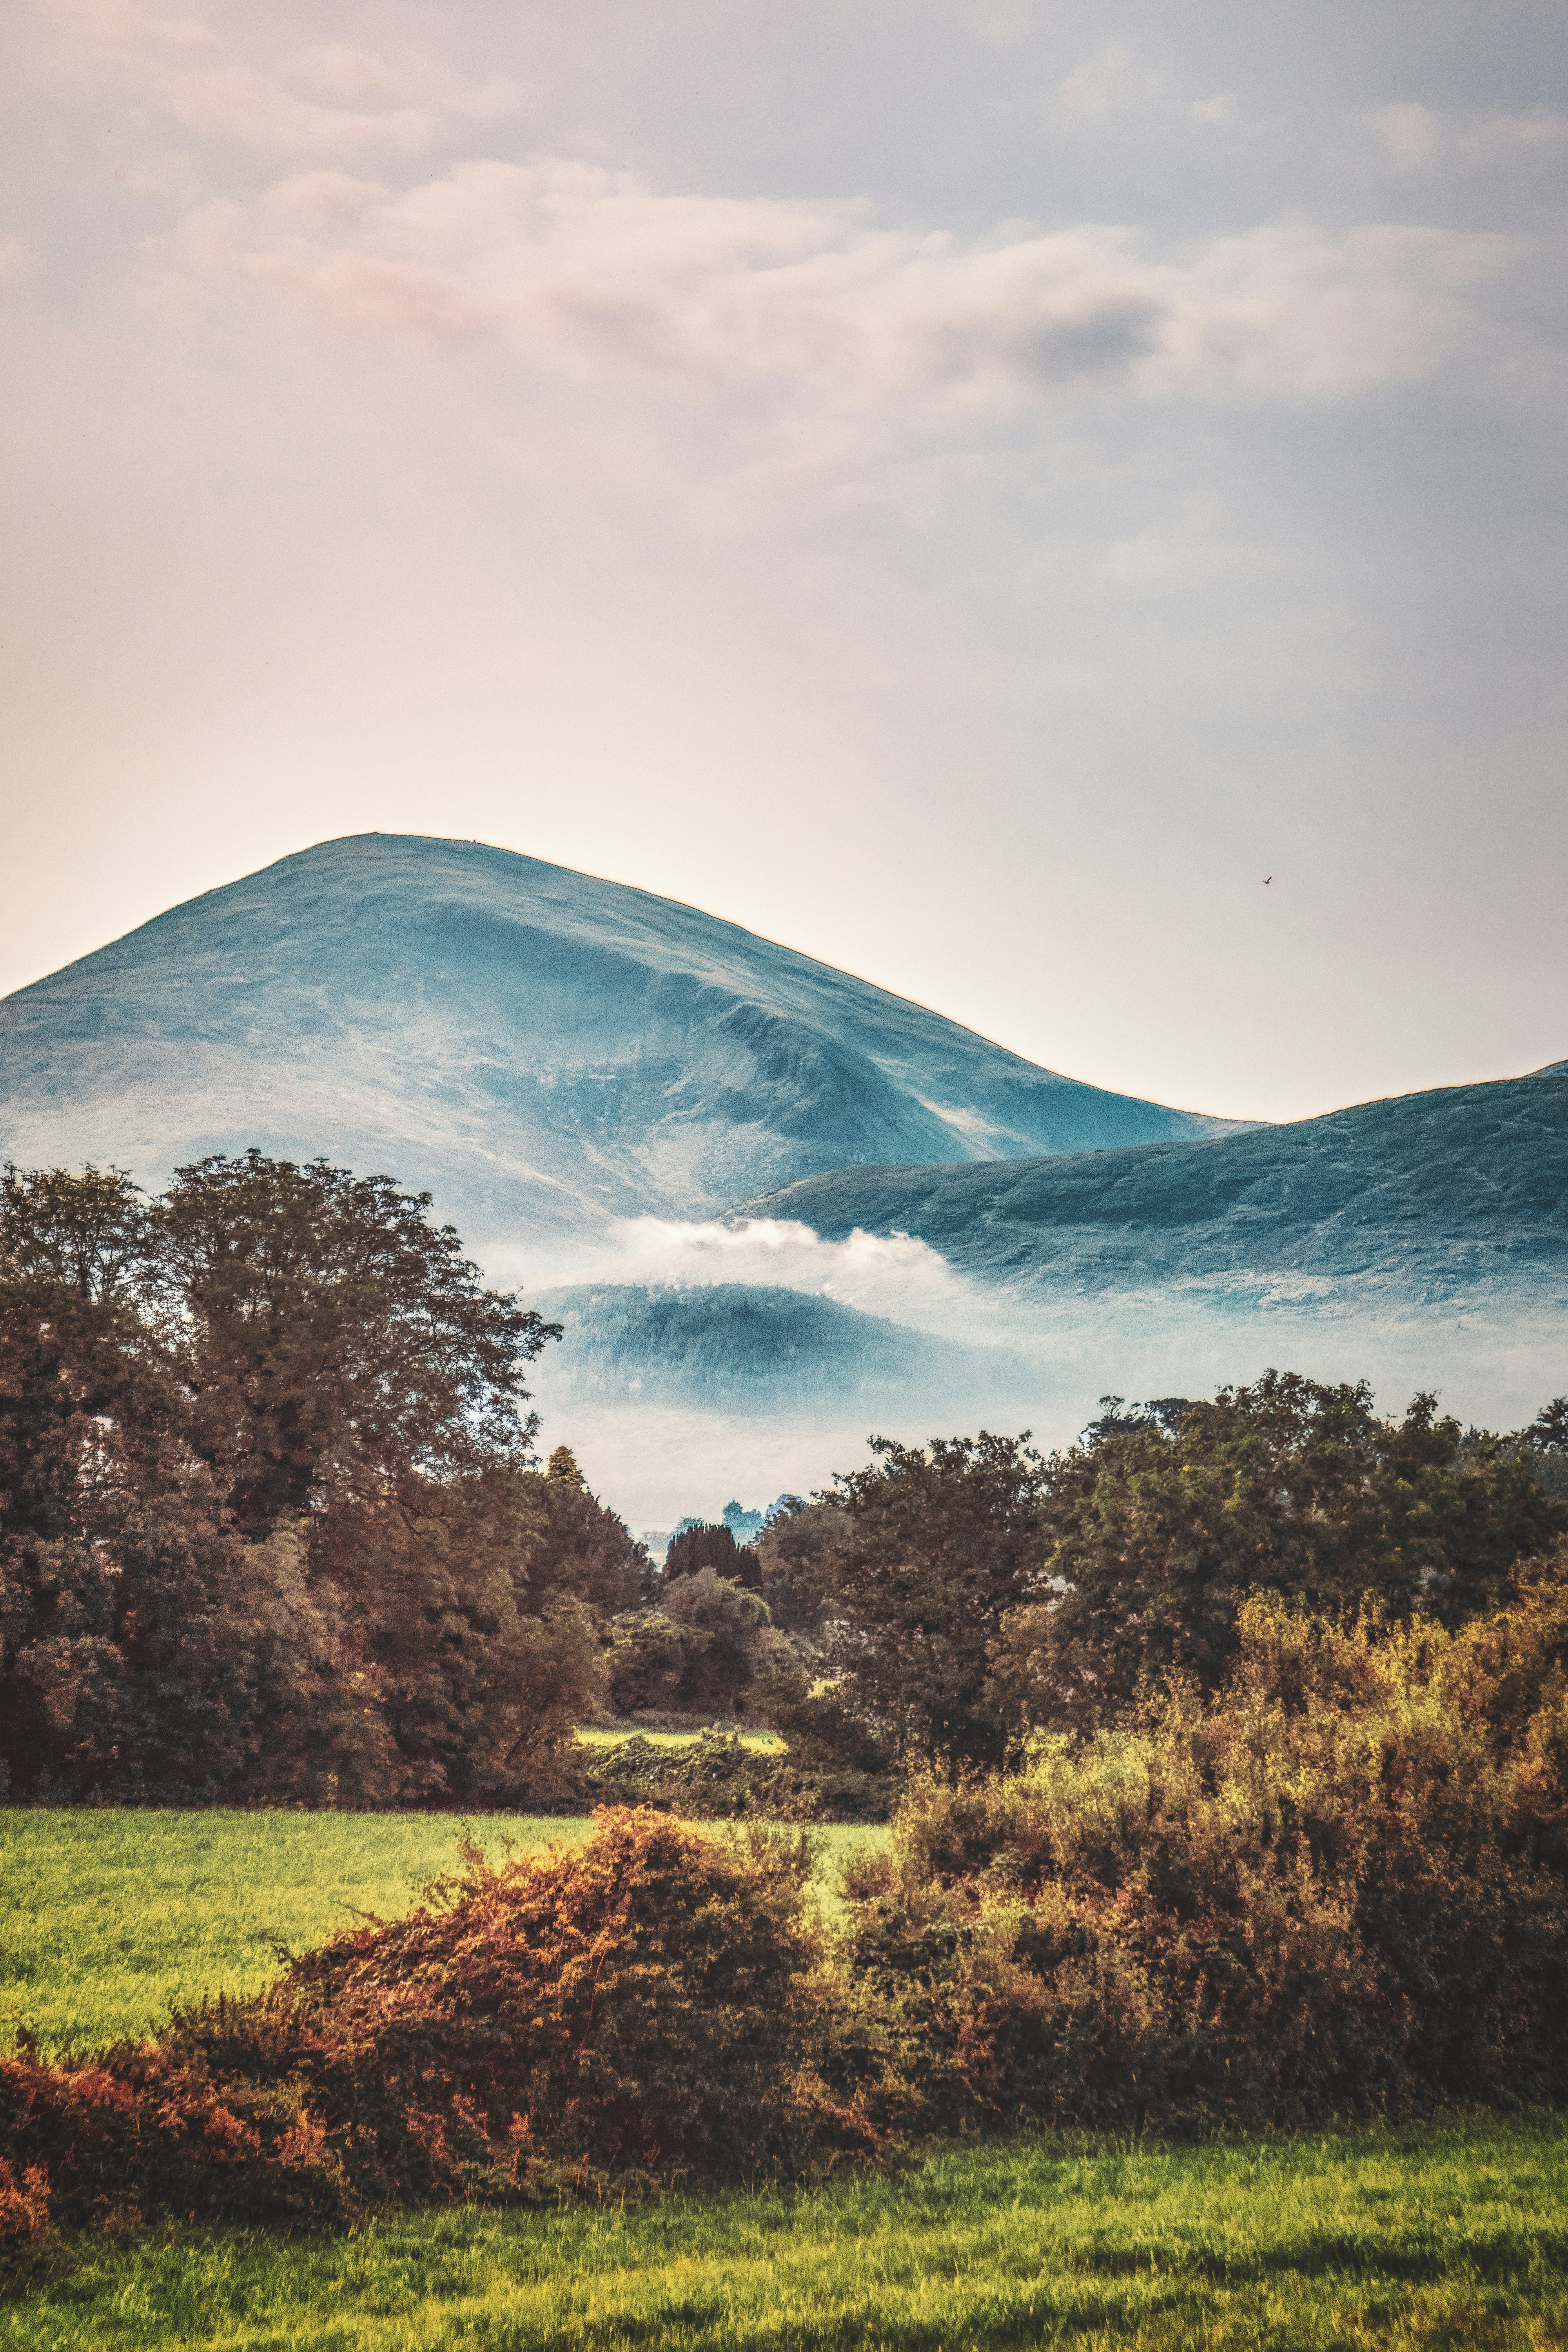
x,y
704,1651
643,2007
1341,1884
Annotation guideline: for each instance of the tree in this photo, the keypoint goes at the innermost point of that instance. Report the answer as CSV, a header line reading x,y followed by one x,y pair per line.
x,y
938,1544
711,1544
570,1545
1159,1525
141,1648
267,1505
795,1553
335,1343
726,1638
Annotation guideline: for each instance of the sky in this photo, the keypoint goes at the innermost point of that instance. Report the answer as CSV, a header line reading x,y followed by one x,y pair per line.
x,y
1056,509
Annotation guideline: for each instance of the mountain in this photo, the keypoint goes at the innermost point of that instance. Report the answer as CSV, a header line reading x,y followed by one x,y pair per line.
x,y
1458,1193
543,1051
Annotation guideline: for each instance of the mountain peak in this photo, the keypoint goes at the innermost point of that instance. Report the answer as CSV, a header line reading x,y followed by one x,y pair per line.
x,y
543,1050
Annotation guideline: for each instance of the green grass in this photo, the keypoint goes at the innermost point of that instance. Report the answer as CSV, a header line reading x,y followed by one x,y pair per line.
x,y
106,1917
1455,2236
616,1735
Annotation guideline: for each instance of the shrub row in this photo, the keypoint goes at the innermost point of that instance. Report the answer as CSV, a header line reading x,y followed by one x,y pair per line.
x,y
636,2008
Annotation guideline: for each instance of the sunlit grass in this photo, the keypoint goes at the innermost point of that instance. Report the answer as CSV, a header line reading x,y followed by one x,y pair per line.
x,y
616,1735
108,1917
1454,2236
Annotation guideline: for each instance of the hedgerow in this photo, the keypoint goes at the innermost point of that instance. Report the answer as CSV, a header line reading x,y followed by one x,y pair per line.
x,y
717,1777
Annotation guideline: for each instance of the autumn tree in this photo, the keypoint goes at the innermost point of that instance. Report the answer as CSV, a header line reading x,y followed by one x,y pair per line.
x,y
141,1647
266,1496
336,1344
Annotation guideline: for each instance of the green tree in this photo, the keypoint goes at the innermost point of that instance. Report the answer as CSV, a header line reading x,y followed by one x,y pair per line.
x,y
142,1650
573,1547
265,1503
937,1545
1156,1528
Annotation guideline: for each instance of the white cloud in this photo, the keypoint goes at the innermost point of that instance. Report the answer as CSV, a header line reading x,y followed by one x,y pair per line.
x,y
1216,112
1112,81
322,99
572,269
1410,134
1494,137
1416,138
895,1276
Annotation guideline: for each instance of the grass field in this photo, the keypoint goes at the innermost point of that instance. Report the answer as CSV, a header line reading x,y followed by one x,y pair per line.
x,y
107,1917
1453,2237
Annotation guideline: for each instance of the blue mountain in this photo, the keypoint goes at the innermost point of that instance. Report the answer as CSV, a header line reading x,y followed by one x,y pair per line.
x,y
541,1050
1429,1200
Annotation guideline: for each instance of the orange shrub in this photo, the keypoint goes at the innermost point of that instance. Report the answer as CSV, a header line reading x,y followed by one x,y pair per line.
x,y
646,2005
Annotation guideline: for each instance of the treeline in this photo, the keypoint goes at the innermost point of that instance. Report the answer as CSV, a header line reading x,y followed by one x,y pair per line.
x,y
949,1602
272,1530
271,1526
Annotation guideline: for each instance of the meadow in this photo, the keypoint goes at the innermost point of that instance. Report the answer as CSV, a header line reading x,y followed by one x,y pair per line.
x,y
107,1916
1451,2236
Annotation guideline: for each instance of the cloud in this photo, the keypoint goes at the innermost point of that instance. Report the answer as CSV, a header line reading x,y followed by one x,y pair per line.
x,y
1114,81
895,1276
1410,134
325,98
1216,112
1110,82
572,269
1415,138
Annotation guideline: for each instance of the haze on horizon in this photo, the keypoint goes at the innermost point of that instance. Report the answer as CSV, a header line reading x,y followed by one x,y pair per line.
x,y
964,490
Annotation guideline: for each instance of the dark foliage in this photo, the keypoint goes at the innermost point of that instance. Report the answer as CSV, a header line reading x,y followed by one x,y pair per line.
x,y
713,1546
795,1553
936,1544
708,1649
270,1529
717,1777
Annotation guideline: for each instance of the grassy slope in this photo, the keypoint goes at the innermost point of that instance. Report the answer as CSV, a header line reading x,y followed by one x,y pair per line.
x,y
1452,2236
107,1917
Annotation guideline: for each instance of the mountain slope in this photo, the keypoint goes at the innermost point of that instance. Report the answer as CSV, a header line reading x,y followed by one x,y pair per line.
x,y
1422,1198
542,1050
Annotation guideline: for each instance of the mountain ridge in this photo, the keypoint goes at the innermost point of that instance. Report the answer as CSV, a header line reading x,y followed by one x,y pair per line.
x,y
1432,1195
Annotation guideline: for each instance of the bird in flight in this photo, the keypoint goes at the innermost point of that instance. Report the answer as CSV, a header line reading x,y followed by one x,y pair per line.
x,y
1267,879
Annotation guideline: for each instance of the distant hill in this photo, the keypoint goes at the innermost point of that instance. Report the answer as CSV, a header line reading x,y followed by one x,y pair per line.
x,y
541,1050
741,1348
1459,1193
